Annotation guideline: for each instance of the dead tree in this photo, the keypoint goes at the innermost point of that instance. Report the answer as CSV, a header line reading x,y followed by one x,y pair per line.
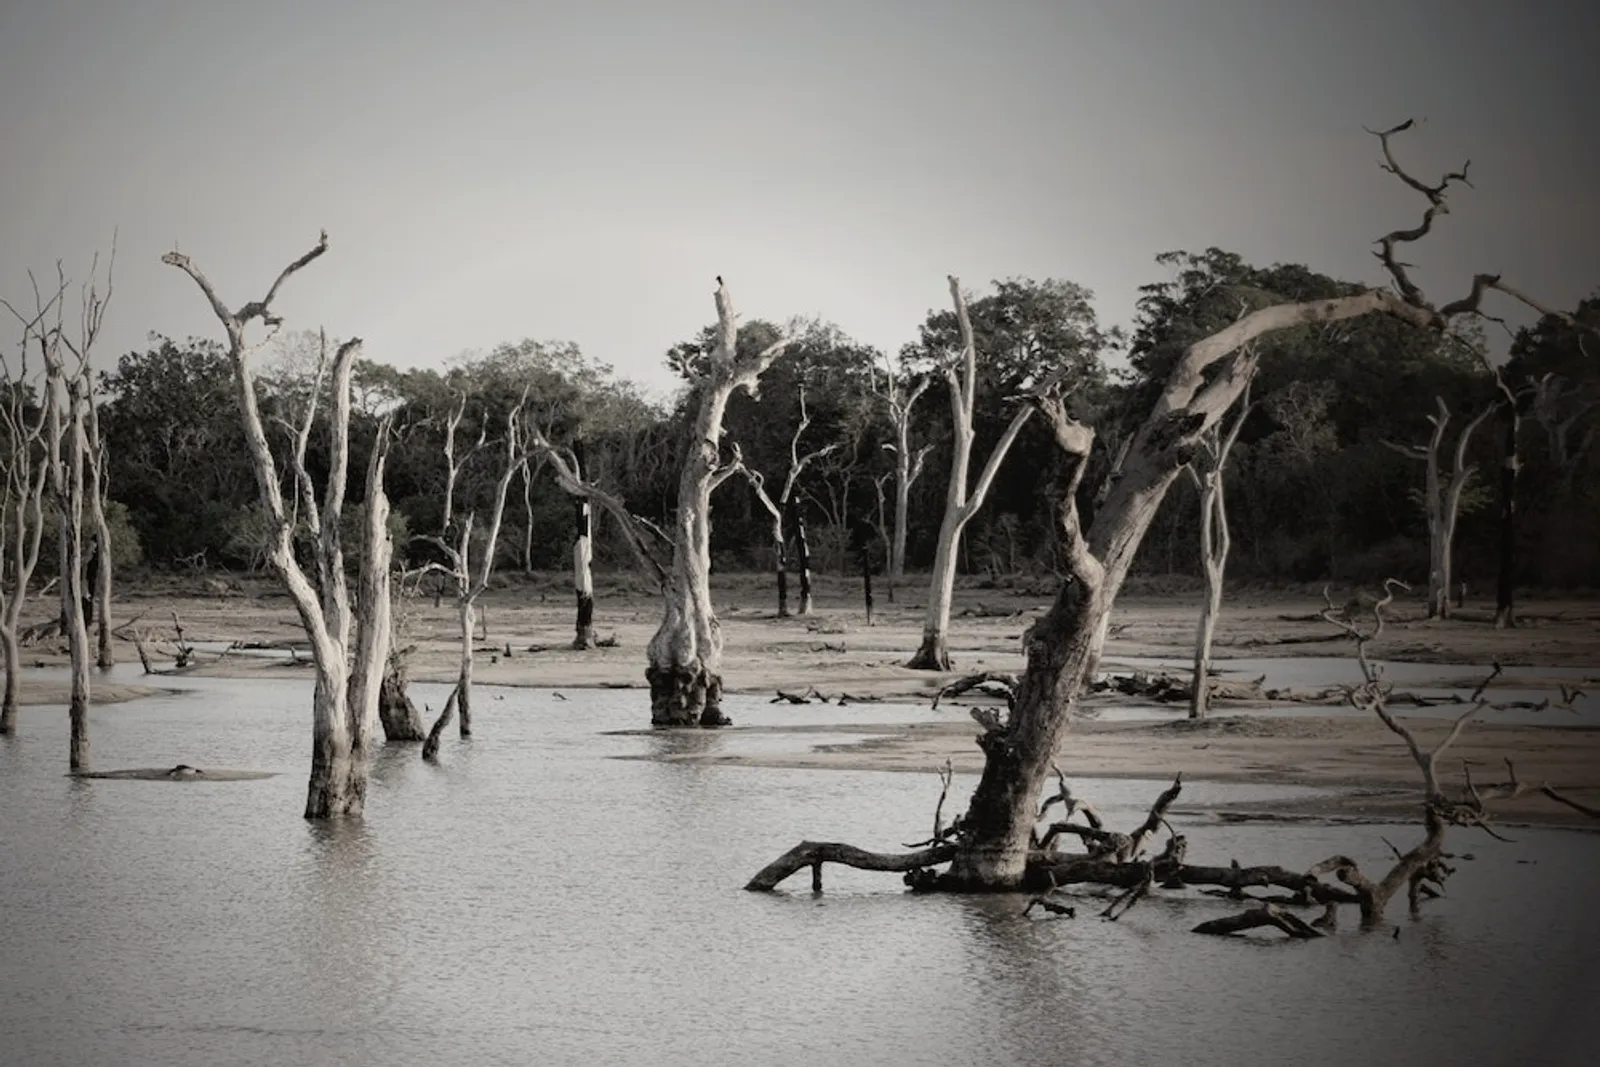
x,y
582,558
345,700
786,505
1118,860
469,583
26,473
98,492
685,654
993,850
1208,470
1441,497
961,501
907,465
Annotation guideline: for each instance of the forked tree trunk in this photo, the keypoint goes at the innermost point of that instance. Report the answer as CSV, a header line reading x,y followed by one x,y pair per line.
x,y
1215,543
1063,647
582,560
685,655
345,698
960,505
1442,502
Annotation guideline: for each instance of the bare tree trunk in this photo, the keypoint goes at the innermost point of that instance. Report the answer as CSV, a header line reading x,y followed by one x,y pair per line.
x,y
527,519
1215,542
582,557
399,716
464,679
906,467
866,582
98,494
1505,613
1442,501
802,557
13,661
340,724
960,506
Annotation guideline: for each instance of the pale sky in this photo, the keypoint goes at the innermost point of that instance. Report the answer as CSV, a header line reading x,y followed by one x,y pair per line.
x,y
491,171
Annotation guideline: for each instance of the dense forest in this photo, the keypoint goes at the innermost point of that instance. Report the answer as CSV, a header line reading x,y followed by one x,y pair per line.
x,y
1324,482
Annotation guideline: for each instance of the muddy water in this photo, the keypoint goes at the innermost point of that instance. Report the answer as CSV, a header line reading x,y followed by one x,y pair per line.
x,y
533,899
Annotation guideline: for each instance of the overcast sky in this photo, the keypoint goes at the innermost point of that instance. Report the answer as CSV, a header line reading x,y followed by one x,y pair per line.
x,y
491,171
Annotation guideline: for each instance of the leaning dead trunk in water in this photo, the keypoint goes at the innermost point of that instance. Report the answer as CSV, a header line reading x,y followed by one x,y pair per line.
x,y
685,654
344,701
991,850
960,505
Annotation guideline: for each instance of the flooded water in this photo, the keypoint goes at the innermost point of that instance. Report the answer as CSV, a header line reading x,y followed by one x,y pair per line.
x,y
533,899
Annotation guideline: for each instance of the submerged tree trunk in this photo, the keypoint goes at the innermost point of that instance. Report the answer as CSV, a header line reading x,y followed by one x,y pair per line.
x,y
13,662
685,655
396,712
345,698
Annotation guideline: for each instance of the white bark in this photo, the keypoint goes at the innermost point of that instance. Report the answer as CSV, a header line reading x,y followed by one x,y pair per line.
x,y
471,583
25,474
685,654
1215,543
1442,500
779,508
340,728
907,466
961,503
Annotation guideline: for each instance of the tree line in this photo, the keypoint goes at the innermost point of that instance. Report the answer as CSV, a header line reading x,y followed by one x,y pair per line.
x,y
1316,486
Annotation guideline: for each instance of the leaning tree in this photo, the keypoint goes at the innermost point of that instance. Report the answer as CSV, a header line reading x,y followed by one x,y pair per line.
x,y
349,648
993,845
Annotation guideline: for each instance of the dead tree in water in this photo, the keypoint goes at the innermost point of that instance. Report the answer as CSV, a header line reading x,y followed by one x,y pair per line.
x,y
1441,497
993,848
685,654
961,501
1118,860
786,506
470,585
25,471
1208,470
345,700
67,395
